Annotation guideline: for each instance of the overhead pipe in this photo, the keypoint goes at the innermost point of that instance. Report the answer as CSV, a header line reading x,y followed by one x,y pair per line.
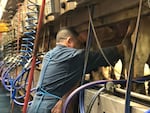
x,y
35,49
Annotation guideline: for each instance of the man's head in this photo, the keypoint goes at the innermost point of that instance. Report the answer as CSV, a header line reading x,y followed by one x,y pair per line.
x,y
68,37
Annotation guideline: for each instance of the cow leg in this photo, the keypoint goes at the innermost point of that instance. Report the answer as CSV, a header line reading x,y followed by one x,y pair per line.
x,y
139,63
125,61
139,88
142,52
127,45
139,72
123,73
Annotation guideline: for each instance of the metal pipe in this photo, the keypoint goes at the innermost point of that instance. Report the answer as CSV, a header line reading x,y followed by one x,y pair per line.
x,y
133,94
34,56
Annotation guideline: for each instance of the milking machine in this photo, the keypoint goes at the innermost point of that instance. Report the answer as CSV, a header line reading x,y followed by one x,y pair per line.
x,y
16,82
88,45
29,35
109,85
20,82
8,60
34,56
6,77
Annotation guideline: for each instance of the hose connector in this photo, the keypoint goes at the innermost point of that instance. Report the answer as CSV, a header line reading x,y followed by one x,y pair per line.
x,y
110,87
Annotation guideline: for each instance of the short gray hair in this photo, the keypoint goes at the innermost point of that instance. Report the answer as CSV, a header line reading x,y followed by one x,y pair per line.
x,y
66,32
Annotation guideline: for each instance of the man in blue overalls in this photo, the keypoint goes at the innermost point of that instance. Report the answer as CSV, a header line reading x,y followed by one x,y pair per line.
x,y
62,69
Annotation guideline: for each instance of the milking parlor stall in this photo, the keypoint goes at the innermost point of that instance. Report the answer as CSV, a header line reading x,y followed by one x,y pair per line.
x,y
28,31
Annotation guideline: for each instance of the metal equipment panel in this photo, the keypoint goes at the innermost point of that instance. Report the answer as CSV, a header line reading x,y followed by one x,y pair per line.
x,y
107,103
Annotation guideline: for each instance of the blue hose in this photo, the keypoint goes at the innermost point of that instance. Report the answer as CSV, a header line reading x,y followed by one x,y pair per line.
x,y
87,86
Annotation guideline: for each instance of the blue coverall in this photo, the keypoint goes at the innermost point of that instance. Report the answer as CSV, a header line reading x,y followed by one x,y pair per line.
x,y
62,68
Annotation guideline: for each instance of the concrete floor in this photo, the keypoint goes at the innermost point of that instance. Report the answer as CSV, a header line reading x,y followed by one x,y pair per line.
x,y
5,106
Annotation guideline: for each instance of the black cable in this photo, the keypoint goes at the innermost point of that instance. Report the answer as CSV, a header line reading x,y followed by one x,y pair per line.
x,y
130,69
93,99
87,50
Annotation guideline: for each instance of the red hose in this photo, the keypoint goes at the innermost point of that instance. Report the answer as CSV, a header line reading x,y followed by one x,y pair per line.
x,y
34,57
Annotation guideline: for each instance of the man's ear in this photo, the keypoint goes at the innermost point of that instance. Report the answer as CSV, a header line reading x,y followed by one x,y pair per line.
x,y
68,41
